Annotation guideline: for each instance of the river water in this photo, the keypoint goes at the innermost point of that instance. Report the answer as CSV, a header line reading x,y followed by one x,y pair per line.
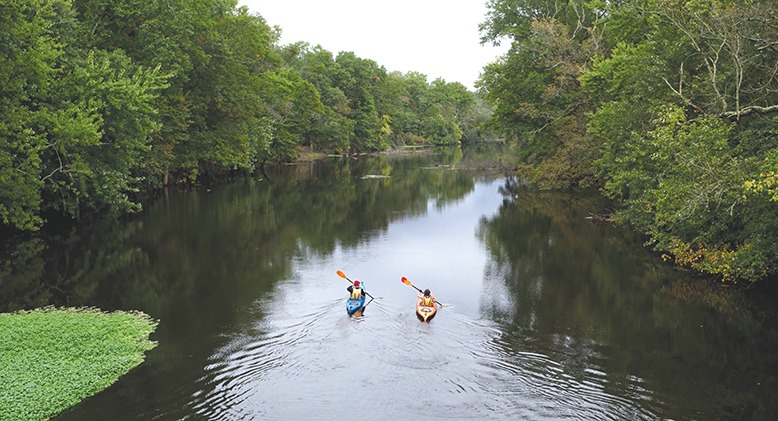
x,y
549,314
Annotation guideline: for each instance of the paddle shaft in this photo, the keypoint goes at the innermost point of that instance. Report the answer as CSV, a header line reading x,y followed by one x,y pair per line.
x,y
343,275
407,282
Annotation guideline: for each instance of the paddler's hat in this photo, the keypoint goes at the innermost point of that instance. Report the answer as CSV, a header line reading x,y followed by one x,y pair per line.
x,y
356,283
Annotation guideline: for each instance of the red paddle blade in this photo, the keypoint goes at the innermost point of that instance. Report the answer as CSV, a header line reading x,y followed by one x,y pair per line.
x,y
406,281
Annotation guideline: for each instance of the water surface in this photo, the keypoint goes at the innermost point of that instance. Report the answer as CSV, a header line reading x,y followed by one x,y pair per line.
x,y
548,314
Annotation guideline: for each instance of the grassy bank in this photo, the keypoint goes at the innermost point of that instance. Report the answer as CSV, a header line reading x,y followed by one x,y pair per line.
x,y
51,359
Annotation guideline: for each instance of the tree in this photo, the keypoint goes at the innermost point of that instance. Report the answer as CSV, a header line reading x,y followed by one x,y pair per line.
x,y
212,112
686,125
30,51
731,54
671,104
330,127
292,105
535,88
98,121
75,121
358,80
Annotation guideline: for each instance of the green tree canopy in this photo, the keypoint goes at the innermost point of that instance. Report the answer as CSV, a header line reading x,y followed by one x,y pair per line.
x,y
103,100
671,106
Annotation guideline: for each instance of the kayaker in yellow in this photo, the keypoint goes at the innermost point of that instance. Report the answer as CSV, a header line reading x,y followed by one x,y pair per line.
x,y
427,299
356,290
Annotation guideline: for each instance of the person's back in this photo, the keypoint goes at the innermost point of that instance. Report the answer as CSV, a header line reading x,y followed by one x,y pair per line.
x,y
355,290
427,299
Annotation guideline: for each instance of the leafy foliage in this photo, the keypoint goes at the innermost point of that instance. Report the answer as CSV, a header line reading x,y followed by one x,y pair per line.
x,y
678,102
27,66
98,125
51,359
102,100
536,90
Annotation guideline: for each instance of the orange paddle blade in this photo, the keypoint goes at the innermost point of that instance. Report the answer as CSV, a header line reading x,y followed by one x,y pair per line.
x,y
406,281
341,274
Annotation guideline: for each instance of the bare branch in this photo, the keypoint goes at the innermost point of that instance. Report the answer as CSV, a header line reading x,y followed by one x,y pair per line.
x,y
679,91
754,109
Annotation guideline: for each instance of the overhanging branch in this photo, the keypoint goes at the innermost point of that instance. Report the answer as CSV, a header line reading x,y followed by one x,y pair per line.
x,y
754,109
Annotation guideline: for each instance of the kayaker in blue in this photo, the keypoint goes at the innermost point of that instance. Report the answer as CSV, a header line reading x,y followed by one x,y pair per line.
x,y
356,290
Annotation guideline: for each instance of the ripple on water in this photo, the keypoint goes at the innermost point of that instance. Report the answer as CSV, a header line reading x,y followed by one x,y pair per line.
x,y
540,387
302,367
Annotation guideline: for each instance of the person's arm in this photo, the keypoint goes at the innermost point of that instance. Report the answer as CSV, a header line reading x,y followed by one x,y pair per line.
x,y
349,288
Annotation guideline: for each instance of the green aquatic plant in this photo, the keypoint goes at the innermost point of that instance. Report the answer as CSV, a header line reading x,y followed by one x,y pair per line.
x,y
51,359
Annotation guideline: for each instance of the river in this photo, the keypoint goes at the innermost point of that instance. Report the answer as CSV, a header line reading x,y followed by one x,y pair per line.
x,y
548,313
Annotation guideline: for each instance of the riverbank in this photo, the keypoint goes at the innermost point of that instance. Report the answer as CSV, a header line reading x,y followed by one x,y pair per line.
x,y
52,359
496,161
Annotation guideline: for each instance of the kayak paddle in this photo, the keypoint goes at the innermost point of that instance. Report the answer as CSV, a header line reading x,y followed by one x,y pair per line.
x,y
407,282
343,275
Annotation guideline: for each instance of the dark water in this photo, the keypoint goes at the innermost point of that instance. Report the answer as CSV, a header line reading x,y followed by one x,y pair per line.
x,y
549,314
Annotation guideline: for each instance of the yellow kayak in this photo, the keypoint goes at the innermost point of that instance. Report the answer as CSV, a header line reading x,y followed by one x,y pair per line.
x,y
425,313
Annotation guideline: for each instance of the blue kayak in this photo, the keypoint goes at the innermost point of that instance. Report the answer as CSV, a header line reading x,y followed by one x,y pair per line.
x,y
352,305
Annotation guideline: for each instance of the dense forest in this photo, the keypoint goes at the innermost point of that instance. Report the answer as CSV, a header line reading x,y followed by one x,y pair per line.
x,y
102,100
670,107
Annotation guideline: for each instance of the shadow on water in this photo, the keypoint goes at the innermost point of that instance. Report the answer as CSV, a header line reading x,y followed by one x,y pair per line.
x,y
549,315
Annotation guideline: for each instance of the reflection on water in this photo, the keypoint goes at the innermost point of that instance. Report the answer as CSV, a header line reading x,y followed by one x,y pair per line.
x,y
549,315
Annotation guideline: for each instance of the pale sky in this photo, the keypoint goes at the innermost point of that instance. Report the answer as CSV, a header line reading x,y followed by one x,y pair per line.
x,y
438,38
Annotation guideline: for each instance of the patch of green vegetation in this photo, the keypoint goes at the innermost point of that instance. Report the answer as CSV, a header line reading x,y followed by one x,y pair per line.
x,y
51,359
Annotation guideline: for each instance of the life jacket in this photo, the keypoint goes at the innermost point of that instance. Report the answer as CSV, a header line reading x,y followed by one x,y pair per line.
x,y
427,301
356,293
